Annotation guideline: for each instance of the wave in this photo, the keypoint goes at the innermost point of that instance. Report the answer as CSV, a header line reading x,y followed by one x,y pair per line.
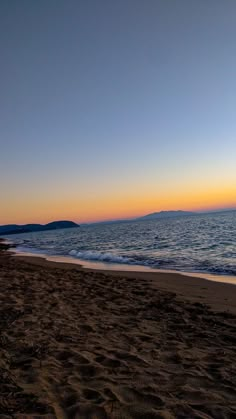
x,y
138,259
102,257
152,263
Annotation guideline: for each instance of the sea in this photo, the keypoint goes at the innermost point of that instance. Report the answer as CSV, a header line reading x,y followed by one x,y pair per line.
x,y
202,243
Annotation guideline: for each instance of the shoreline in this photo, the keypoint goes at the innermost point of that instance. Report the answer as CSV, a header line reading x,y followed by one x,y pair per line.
x,y
221,296
110,267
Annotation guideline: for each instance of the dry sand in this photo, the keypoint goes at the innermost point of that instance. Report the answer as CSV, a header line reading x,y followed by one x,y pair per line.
x,y
83,344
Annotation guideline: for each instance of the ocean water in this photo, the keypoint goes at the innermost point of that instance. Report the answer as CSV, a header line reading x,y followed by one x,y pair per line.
x,y
203,243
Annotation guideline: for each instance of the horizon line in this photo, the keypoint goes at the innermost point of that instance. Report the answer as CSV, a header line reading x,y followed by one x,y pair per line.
x,y
198,211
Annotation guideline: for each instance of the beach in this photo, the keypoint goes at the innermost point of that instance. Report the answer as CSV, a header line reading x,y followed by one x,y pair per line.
x,y
79,343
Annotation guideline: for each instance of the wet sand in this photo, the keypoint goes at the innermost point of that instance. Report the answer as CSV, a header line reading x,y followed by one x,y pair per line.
x,y
77,343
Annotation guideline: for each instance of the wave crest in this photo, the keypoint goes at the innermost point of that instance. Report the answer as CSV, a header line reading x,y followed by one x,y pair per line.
x,y
101,257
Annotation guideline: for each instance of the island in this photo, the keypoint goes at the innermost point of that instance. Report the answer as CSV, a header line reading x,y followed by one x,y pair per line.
x,y
165,214
30,228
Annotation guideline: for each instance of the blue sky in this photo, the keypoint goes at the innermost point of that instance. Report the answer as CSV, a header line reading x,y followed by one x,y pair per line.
x,y
100,97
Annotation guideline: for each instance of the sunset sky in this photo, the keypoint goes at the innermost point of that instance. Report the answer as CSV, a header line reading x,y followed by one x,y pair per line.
x,y
113,109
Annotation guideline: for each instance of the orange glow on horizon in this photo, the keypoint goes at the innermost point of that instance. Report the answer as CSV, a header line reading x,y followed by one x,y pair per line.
x,y
119,205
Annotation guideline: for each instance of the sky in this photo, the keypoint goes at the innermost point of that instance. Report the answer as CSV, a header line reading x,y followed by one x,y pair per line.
x,y
114,109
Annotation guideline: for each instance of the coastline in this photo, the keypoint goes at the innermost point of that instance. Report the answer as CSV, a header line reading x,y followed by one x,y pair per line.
x,y
105,266
219,292
221,296
79,343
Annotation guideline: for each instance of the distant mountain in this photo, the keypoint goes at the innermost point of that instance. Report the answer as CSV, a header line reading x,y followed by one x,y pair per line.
x,y
165,214
29,228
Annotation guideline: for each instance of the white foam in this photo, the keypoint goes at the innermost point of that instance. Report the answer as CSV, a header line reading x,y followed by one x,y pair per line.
x,y
104,257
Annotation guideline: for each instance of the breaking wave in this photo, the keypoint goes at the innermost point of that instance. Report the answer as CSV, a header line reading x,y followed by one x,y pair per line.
x,y
102,257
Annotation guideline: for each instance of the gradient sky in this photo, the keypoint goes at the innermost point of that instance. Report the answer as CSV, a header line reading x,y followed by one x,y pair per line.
x,y
112,109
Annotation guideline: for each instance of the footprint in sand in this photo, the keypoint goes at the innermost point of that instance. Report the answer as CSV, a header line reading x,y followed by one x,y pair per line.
x,y
108,362
93,395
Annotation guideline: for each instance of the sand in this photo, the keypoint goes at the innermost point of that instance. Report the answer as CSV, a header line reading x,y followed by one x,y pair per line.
x,y
76,343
